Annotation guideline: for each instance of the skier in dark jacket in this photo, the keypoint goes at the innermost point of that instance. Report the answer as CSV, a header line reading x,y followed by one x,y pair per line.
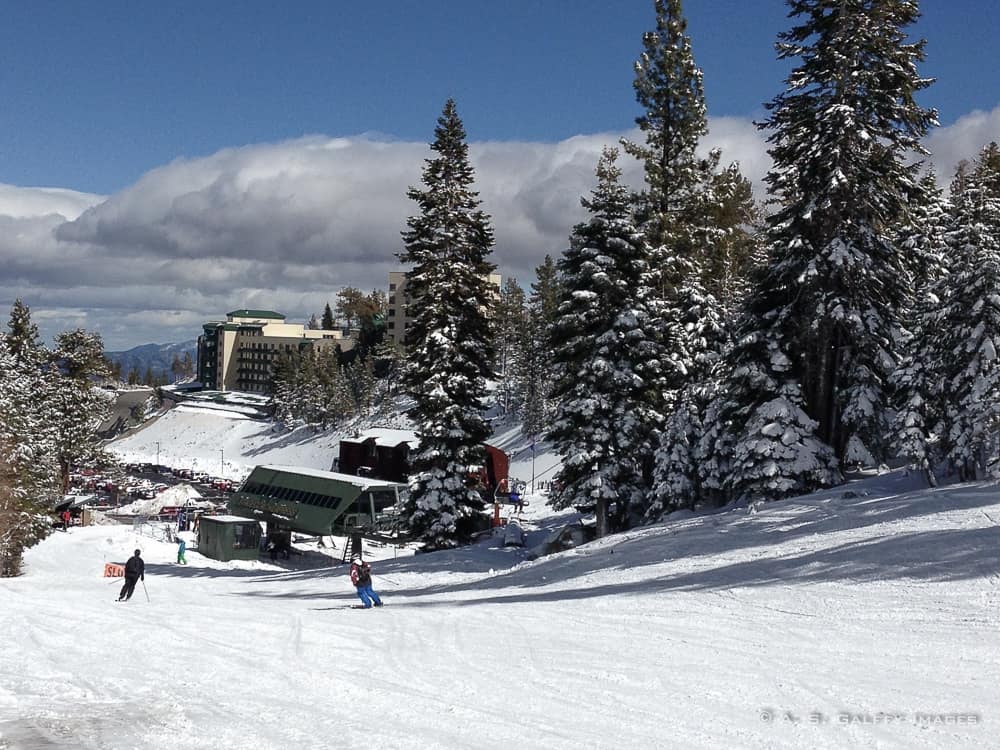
x,y
135,569
361,577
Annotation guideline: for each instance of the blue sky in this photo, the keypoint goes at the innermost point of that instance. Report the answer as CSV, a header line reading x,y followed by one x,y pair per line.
x,y
92,95
162,163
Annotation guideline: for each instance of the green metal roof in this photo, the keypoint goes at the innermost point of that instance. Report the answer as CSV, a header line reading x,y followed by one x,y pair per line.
x,y
269,314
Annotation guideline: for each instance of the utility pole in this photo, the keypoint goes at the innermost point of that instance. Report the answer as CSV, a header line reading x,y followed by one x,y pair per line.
x,y
532,464
222,462
157,456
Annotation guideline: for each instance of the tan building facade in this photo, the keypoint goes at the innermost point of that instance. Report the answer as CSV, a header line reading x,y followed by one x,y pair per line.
x,y
237,354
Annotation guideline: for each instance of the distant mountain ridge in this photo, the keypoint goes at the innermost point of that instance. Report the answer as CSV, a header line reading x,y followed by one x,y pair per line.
x,y
157,357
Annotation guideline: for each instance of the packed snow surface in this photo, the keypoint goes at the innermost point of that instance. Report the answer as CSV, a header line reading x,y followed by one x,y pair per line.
x,y
866,620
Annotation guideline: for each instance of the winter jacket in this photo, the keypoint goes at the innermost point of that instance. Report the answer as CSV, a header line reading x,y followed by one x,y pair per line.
x,y
135,568
361,575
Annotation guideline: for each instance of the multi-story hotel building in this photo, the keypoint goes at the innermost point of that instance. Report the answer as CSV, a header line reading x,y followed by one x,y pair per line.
x,y
397,319
237,354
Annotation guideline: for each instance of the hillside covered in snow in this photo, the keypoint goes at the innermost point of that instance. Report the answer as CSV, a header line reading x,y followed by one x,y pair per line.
x,y
226,440
858,617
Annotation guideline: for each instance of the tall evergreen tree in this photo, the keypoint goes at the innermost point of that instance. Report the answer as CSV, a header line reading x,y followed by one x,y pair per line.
x,y
729,238
841,138
965,335
605,359
695,218
681,464
535,371
916,392
328,323
668,86
76,406
28,474
450,342
22,336
758,442
511,328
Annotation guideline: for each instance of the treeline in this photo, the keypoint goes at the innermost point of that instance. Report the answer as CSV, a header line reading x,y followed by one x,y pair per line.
x,y
181,368
320,385
50,410
689,349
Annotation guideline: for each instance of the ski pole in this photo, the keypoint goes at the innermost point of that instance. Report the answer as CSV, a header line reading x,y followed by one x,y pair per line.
x,y
144,589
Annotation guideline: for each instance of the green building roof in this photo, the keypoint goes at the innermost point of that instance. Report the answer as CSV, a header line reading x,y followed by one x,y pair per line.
x,y
269,314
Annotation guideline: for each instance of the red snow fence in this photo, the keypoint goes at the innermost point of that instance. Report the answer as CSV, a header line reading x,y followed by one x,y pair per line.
x,y
113,570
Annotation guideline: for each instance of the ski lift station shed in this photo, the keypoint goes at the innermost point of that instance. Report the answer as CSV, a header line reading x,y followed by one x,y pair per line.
x,y
228,538
316,502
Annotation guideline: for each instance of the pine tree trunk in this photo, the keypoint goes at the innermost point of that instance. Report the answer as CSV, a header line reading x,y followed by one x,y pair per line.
x,y
11,547
64,475
602,517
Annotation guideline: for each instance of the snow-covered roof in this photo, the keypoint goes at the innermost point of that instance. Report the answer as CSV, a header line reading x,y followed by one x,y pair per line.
x,y
387,437
364,482
77,501
226,519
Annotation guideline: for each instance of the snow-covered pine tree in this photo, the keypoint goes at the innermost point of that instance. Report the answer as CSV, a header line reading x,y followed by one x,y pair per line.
x,y
729,240
22,340
761,444
679,462
511,328
605,359
450,342
534,372
28,470
284,371
27,473
676,479
842,136
967,331
358,377
668,86
75,405
916,384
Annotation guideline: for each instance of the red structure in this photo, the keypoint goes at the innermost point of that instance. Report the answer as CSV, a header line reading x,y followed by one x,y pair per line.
x,y
385,454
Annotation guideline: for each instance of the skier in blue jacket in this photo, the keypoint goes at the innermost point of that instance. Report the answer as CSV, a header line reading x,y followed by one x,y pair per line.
x,y
361,577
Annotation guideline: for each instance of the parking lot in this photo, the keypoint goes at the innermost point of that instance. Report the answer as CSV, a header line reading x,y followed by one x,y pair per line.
x,y
112,487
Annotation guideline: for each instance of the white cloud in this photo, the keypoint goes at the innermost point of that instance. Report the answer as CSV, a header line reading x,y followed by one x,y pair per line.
x,y
284,226
963,139
25,203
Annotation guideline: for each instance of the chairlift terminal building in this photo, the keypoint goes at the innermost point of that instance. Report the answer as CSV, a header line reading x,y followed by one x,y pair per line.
x,y
316,502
